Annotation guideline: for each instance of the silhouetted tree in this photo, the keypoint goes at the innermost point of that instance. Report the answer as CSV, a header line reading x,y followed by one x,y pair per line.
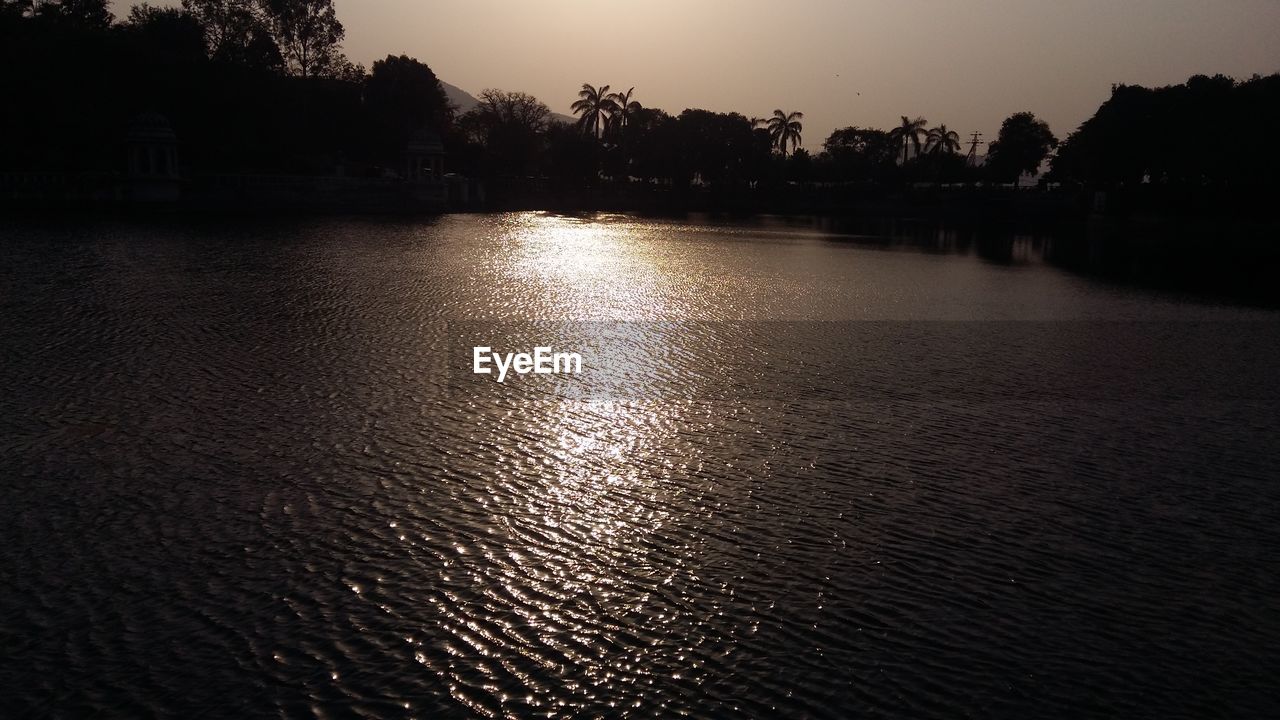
x,y
908,135
408,89
308,34
618,156
1024,142
799,167
941,141
214,68
166,34
623,108
862,154
571,154
651,144
236,32
507,125
785,129
1190,136
856,139
403,96
595,105
1106,147
716,147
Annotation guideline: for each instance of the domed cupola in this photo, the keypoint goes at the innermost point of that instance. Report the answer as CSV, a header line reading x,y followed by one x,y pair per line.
x,y
152,148
424,157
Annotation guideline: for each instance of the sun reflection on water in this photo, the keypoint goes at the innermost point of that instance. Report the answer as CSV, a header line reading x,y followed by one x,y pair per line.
x,y
602,496
581,572
584,269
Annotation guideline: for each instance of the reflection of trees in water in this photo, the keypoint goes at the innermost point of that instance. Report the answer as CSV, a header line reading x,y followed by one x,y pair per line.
x,y
996,242
1212,257
1224,260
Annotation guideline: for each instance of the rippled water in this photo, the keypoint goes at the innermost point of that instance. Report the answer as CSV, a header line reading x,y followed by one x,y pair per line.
x,y
246,471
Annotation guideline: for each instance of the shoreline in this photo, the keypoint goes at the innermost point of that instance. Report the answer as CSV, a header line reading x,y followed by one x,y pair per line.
x,y
1213,256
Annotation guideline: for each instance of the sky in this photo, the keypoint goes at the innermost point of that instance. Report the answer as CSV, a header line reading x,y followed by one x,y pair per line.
x,y
964,63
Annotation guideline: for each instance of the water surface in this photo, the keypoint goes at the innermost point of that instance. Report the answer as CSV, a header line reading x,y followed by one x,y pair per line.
x,y
806,474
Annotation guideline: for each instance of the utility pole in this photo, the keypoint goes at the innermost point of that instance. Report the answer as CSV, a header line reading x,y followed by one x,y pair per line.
x,y
974,141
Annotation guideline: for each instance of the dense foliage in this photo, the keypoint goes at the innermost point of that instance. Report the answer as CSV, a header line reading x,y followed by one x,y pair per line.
x,y
1023,144
263,86
1195,134
248,86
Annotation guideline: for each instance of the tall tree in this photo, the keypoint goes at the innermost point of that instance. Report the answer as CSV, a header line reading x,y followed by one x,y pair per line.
x,y
714,147
308,34
624,109
863,154
799,167
785,129
1204,132
908,135
595,105
507,125
407,88
941,141
166,35
403,96
1023,144
651,144
571,155
236,31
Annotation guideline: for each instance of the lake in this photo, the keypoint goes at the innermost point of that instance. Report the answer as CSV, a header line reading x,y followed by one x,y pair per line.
x,y
808,470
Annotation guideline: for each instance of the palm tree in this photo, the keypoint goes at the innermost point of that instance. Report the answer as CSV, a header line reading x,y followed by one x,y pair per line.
x,y
940,140
595,105
624,108
908,133
785,128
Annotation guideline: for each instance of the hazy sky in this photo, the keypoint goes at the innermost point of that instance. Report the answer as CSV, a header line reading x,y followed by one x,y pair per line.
x,y
966,63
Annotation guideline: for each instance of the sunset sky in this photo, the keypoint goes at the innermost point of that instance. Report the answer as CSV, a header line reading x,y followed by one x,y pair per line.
x,y
842,62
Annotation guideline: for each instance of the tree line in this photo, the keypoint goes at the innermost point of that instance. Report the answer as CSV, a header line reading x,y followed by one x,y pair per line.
x,y
617,138
263,86
1206,132
259,85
